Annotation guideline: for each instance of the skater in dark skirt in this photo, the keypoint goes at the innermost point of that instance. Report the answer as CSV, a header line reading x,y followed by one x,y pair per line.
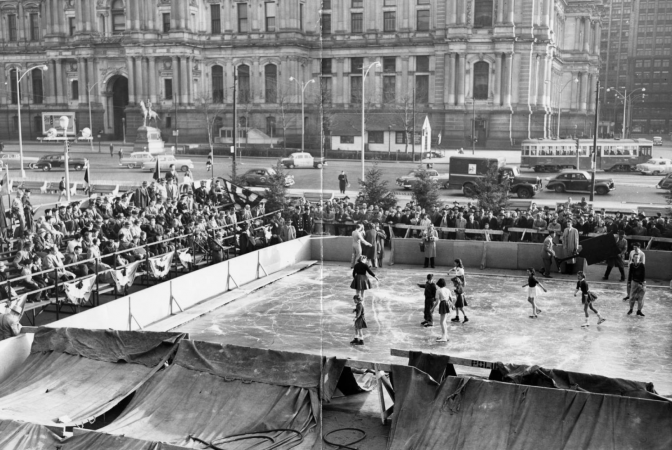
x,y
360,321
460,301
586,298
360,281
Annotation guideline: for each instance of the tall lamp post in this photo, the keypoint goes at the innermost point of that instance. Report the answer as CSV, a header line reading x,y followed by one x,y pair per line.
x,y
90,121
575,80
303,120
624,96
63,121
364,74
18,107
473,126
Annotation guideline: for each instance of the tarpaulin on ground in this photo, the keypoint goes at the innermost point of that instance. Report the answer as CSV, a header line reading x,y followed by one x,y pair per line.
x,y
436,366
561,379
468,413
212,392
73,376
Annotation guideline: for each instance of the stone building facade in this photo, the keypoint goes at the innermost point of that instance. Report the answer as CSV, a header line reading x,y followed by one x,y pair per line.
x,y
503,68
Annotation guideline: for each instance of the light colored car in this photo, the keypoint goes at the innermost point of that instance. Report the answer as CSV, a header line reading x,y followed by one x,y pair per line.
x,y
407,181
136,159
303,159
658,166
165,161
13,160
657,140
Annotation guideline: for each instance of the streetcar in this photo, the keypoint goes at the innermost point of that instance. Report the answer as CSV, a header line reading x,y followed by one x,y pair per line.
x,y
613,155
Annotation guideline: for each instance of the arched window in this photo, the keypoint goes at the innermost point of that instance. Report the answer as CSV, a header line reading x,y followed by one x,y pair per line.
x,y
243,83
217,84
483,13
271,83
481,78
118,17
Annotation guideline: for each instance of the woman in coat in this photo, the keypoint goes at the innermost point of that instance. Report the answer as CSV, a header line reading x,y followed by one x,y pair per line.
x,y
381,237
429,238
370,236
570,245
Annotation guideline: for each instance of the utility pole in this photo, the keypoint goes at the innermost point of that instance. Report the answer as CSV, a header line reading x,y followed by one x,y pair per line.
x,y
413,136
235,125
592,175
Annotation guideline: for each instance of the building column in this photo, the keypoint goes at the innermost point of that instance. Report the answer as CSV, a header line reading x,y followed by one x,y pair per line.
x,y
586,36
140,80
515,78
452,12
153,79
81,78
506,78
598,34
583,99
60,91
184,93
406,89
3,80
91,64
460,76
47,15
500,11
591,92
131,79
190,80
137,19
176,80
510,11
450,78
48,78
497,100
463,11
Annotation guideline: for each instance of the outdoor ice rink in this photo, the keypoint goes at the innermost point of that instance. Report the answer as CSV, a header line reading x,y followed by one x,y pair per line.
x,y
311,311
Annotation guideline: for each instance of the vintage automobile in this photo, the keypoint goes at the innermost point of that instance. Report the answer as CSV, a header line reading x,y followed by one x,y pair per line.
x,y
665,183
136,159
165,162
302,159
13,161
579,181
411,178
262,177
658,166
57,161
657,140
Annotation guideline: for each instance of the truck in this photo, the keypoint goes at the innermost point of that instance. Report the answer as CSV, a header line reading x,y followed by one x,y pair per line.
x,y
465,170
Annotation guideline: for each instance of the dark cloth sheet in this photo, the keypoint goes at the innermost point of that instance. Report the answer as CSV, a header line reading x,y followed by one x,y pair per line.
x,y
436,366
467,413
561,379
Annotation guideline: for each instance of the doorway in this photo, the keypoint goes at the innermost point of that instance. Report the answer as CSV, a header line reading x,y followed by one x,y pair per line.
x,y
117,93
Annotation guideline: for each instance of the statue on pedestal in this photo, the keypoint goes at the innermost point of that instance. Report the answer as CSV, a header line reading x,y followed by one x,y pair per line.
x,y
148,139
147,111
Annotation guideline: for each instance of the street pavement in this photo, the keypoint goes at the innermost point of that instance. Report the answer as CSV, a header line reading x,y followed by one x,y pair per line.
x,y
631,189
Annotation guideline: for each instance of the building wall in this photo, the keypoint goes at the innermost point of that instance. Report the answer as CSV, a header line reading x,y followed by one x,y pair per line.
x,y
521,54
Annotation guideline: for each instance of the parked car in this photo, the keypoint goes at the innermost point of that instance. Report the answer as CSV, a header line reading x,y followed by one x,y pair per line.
x,y
13,160
407,181
136,159
665,183
165,161
657,140
302,159
262,177
465,170
655,167
579,181
57,161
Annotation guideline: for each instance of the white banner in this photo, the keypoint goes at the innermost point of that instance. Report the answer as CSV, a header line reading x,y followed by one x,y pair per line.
x,y
125,277
159,266
78,292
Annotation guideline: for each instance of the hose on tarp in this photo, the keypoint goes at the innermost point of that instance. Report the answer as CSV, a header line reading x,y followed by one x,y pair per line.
x,y
214,444
347,445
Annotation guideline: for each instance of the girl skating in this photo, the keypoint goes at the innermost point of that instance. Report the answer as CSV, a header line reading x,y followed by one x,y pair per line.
x,y
360,321
586,298
360,282
460,301
445,298
533,286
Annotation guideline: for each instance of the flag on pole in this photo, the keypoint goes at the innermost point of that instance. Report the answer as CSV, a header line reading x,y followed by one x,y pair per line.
x,y
241,195
87,178
157,171
438,141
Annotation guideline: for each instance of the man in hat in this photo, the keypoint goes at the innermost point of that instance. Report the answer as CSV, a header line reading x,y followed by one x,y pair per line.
x,y
9,322
617,260
201,193
288,232
342,182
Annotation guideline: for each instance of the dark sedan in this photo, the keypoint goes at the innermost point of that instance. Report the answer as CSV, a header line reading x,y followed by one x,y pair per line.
x,y
57,161
262,177
579,181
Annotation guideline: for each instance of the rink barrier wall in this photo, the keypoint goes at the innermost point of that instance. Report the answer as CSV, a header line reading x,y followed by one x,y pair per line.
x,y
143,308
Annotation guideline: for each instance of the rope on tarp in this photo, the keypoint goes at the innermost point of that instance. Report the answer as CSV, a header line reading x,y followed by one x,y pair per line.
x,y
347,445
215,443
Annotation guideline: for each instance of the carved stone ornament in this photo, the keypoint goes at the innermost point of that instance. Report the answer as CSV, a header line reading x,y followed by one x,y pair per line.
x,y
468,12
69,4
167,64
165,2
101,3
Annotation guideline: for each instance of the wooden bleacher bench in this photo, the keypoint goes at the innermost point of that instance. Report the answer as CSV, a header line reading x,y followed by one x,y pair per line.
x,y
105,189
32,185
317,196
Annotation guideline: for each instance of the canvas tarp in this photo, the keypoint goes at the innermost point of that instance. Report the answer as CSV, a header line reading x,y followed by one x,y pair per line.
x,y
468,413
561,379
211,392
76,375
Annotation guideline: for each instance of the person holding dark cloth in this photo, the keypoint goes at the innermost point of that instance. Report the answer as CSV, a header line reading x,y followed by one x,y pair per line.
x,y
360,282
587,298
342,182
637,282
430,301
617,260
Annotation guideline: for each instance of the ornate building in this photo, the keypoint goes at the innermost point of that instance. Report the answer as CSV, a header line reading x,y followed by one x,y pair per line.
x,y
501,67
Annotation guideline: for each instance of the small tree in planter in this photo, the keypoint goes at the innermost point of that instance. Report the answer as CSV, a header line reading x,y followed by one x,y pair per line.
x,y
276,191
490,193
374,191
425,190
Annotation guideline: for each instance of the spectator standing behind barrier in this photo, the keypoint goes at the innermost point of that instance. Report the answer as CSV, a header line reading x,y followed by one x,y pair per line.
x,y
429,238
343,182
637,283
570,245
357,241
617,260
548,254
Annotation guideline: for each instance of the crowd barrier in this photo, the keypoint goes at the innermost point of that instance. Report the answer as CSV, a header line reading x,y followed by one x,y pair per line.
x,y
143,308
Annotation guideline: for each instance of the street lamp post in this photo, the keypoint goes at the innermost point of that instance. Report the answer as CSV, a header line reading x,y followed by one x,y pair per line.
x,y
473,126
303,120
63,121
90,121
624,96
575,80
364,74
18,107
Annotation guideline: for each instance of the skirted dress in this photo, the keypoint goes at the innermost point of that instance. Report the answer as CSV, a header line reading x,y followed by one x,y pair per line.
x,y
360,281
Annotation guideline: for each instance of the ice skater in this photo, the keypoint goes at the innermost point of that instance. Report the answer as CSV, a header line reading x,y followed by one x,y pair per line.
x,y
446,299
460,301
532,291
637,283
360,281
458,271
587,298
430,302
360,321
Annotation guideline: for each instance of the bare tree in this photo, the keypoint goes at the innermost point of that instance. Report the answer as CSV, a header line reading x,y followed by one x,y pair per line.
x,y
212,112
283,98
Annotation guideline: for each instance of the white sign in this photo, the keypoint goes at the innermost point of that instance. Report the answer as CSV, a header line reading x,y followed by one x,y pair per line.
x,y
472,169
426,136
52,120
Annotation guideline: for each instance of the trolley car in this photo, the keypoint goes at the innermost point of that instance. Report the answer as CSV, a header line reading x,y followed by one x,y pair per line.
x,y
613,155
